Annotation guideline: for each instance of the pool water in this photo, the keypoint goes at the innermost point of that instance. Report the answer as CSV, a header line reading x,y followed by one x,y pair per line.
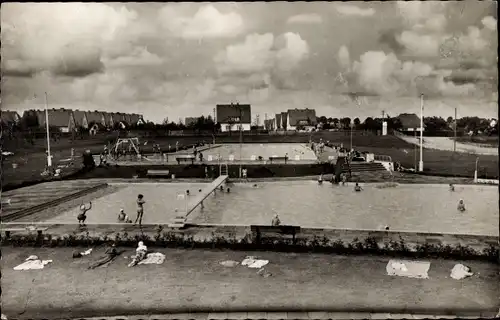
x,y
407,207
264,150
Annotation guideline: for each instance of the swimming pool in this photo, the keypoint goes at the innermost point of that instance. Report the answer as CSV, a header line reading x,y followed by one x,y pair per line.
x,y
407,207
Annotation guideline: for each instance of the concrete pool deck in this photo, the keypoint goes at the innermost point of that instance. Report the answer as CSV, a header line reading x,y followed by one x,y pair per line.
x,y
195,281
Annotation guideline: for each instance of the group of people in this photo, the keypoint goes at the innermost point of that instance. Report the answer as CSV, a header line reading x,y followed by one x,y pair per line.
x,y
122,216
461,203
112,253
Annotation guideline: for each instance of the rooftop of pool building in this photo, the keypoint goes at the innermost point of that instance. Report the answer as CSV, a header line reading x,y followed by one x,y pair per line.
x,y
406,207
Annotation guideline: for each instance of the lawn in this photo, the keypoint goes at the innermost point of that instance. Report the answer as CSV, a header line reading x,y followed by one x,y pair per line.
x,y
194,280
32,162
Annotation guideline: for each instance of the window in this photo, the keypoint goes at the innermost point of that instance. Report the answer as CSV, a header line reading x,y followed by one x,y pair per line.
x,y
234,119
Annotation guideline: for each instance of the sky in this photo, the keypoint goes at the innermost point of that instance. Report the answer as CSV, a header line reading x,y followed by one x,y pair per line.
x,y
175,60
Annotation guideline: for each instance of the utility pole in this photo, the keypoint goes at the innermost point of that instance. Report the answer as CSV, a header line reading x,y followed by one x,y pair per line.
x,y
49,158
421,163
241,135
455,133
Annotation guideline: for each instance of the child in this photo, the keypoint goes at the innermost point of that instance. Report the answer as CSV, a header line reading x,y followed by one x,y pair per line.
x,y
461,206
276,220
357,188
123,217
452,187
83,213
140,209
320,179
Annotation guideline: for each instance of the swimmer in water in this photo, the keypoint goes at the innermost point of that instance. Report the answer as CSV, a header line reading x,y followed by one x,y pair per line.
x,y
221,188
187,192
255,185
83,213
228,190
357,188
461,205
123,217
320,179
201,204
452,187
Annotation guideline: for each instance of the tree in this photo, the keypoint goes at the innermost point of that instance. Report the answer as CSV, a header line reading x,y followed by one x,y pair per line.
x,y
335,122
370,124
357,122
323,119
345,122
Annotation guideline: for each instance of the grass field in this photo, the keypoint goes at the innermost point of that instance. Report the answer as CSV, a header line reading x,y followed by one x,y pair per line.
x,y
32,161
194,280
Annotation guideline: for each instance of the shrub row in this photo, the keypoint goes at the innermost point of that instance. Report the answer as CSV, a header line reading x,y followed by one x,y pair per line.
x,y
315,244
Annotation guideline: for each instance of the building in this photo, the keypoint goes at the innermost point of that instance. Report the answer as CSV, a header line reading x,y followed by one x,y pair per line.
x,y
80,119
231,116
409,122
269,124
62,119
96,117
284,121
277,122
301,119
8,118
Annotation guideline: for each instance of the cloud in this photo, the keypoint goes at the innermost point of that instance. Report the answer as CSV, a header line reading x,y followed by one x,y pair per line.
x,y
207,22
306,18
490,23
261,53
350,10
343,58
138,57
64,38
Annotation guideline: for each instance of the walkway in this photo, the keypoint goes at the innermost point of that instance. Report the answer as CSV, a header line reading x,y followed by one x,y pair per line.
x,y
445,143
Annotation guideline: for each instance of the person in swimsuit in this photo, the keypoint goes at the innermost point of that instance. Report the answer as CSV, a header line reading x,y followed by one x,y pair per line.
x,y
83,213
140,208
357,188
111,254
320,179
276,221
123,217
461,205
452,187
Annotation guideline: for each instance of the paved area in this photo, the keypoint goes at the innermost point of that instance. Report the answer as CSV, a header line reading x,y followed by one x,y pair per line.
x,y
195,281
293,315
445,143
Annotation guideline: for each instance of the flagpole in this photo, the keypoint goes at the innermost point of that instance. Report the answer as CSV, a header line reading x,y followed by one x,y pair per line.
x,y
49,159
421,162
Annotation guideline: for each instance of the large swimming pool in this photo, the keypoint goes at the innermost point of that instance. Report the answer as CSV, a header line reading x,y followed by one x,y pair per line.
x,y
407,207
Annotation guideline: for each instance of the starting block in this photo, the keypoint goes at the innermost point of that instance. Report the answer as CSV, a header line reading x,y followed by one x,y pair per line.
x,y
210,158
297,157
231,157
253,157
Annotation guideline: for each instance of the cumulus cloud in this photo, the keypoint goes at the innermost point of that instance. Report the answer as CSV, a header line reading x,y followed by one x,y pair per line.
x,y
350,10
140,56
305,18
65,38
343,58
490,23
207,22
260,53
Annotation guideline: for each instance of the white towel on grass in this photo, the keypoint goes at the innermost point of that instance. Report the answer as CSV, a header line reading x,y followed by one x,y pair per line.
x,y
32,263
153,258
252,262
410,269
460,272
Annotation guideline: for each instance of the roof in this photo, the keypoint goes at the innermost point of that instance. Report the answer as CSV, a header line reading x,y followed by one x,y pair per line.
x,y
296,116
94,116
227,113
409,120
57,117
79,117
9,116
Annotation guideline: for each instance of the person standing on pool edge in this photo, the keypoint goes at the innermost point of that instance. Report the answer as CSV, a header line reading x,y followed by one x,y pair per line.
x,y
140,209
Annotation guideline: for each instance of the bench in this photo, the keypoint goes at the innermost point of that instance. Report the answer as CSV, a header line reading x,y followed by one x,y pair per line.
x,y
187,157
9,230
259,231
278,158
158,173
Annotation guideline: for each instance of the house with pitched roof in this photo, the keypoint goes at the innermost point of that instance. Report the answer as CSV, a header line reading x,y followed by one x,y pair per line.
x,y
9,117
301,119
80,119
96,117
410,122
277,122
284,121
232,116
61,118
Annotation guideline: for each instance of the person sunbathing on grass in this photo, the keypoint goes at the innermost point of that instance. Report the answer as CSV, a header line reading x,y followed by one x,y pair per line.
x,y
111,254
83,213
140,254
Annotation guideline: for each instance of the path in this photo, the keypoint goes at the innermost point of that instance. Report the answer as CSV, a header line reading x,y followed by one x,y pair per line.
x,y
194,280
444,143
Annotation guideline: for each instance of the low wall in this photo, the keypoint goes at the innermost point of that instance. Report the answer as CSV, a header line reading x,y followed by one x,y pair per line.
x,y
201,170
487,181
339,241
